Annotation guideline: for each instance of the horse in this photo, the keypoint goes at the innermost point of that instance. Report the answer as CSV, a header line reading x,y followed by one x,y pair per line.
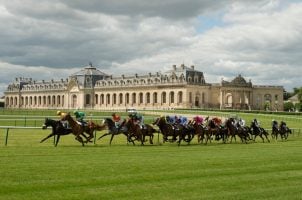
x,y
148,130
113,130
175,130
258,131
78,129
57,129
233,131
214,129
199,131
284,130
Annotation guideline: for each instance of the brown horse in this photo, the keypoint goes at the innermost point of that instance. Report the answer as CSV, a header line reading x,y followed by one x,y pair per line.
x,y
78,129
136,132
200,132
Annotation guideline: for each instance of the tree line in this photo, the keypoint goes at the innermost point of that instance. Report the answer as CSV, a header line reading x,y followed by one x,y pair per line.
x,y
293,106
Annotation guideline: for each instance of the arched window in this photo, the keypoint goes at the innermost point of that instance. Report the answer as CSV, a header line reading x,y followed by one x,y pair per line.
x,y
58,100
127,98
179,97
108,99
53,100
114,99
163,97
16,101
87,99
155,97
133,97
102,99
120,98
148,97
229,100
74,102
141,98
96,99
171,97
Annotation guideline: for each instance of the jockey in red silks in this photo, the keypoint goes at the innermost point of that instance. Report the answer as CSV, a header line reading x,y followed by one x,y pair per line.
x,y
198,120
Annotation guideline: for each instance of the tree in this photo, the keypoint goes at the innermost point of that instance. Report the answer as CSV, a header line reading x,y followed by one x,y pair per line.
x,y
300,94
288,106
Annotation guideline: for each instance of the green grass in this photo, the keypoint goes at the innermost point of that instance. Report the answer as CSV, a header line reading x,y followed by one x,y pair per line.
x,y
30,170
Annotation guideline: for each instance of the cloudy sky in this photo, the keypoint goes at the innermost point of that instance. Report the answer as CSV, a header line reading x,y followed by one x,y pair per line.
x,y
45,39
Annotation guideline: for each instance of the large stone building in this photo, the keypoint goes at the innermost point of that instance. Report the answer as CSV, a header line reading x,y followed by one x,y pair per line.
x,y
180,87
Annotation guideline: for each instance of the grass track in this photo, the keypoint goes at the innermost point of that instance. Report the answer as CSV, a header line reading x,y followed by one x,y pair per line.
x,y
30,170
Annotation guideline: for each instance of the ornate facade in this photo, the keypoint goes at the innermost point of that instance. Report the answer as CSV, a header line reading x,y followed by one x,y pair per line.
x,y
180,87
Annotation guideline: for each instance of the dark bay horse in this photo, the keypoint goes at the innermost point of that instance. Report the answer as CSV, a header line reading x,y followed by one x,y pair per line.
x,y
258,131
113,130
233,130
176,130
214,128
283,131
57,129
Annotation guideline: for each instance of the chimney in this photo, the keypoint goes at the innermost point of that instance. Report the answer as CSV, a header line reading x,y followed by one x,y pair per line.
x,y
183,66
192,67
174,67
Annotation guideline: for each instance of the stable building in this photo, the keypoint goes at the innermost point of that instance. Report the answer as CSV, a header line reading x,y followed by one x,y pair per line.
x,y
180,87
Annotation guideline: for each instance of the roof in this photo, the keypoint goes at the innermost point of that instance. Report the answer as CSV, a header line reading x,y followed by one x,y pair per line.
x,y
89,70
294,98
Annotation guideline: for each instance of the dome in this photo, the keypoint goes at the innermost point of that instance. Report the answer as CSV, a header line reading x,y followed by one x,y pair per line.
x,y
88,76
239,80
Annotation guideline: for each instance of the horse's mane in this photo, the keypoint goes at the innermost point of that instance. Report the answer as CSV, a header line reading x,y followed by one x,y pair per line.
x,y
109,121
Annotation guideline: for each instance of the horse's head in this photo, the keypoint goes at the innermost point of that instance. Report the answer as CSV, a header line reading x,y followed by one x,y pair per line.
x,y
108,122
160,120
47,123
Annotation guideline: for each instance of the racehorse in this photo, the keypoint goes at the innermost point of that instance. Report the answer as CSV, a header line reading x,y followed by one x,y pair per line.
x,y
233,131
258,131
175,130
214,129
78,129
200,132
284,131
57,129
113,130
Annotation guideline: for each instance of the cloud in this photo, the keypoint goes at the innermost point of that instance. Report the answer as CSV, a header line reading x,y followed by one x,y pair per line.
x,y
261,40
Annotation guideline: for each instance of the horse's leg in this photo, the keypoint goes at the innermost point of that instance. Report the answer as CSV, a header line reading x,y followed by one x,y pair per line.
x,y
151,138
111,138
80,139
50,135
104,135
57,141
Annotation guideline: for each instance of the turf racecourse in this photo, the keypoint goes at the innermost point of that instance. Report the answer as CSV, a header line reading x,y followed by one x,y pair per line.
x,y
30,170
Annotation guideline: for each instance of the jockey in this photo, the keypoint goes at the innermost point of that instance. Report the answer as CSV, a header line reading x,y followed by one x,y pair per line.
x,y
257,124
116,119
274,124
80,117
198,120
282,125
182,120
138,119
241,122
171,119
62,115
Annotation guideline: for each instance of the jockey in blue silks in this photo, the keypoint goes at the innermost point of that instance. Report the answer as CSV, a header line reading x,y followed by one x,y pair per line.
x,y
183,120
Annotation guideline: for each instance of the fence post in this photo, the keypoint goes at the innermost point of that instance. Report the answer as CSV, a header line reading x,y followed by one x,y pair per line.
x,y
25,121
6,138
94,140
